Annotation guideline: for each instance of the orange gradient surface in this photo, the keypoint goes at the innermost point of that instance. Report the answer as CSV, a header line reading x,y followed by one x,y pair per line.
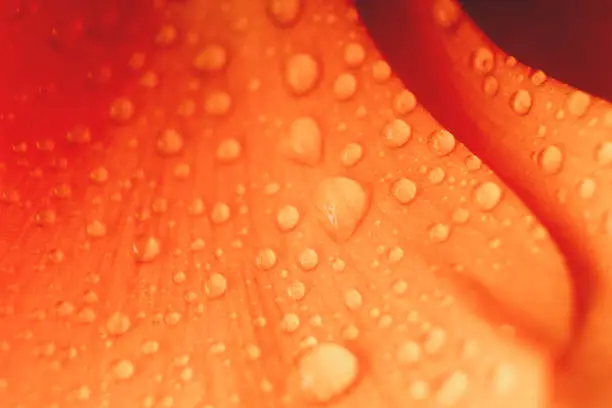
x,y
250,204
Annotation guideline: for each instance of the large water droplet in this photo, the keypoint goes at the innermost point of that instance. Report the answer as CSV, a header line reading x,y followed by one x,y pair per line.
x,y
327,371
578,103
341,205
284,13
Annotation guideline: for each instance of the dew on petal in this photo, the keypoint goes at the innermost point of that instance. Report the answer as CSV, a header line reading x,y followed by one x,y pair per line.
x,y
341,205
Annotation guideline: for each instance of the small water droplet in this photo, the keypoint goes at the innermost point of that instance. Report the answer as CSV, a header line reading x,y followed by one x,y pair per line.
x,y
396,133
266,259
169,142
404,190
118,323
487,196
490,85
353,299
354,54
452,390
220,213
304,141
446,13
603,153
586,188
404,102
327,371
284,13
96,229
228,150
211,58
439,232
409,352
287,218
308,259
341,205
121,110
302,73
215,285
550,159
345,86
290,322
538,78
146,248
483,60
217,103
351,154
521,102
123,369
578,103
441,142
381,71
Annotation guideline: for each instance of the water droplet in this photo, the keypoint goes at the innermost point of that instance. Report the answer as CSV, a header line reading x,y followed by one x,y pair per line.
x,y
487,195
439,232
441,142
396,133
550,159
149,347
169,142
266,259
381,71
123,369
118,323
354,54
121,110
302,73
305,141
578,103
404,102
404,190
538,78
220,213
521,102
327,371
503,378
79,135
483,60
353,299
45,217
452,389
351,154
490,85
146,248
215,285
228,150
409,352
99,175
211,58
345,86
96,229
217,103
296,290
284,13
341,205
586,188
446,13
166,35
308,259
287,218
603,153
290,322
419,390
